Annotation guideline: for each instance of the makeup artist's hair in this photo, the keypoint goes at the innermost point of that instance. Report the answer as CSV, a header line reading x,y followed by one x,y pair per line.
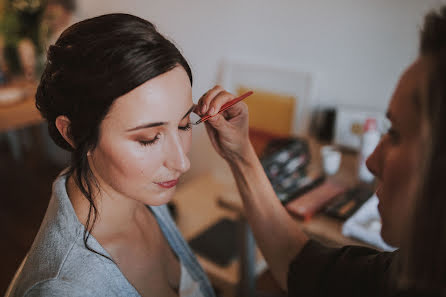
x,y
424,252
93,63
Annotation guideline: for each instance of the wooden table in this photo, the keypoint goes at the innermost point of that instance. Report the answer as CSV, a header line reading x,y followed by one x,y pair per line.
x,y
20,114
321,227
17,115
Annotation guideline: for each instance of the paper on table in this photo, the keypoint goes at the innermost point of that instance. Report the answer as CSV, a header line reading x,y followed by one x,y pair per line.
x,y
10,95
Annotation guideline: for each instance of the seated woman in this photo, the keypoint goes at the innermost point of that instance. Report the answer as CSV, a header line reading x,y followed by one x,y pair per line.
x,y
118,95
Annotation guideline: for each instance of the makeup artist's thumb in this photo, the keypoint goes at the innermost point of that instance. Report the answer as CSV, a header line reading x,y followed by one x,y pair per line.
x,y
218,122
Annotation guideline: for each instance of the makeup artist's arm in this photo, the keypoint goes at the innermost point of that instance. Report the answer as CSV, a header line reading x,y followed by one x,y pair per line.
x,y
278,236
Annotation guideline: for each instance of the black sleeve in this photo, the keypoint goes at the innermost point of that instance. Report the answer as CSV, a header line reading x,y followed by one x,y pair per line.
x,y
349,271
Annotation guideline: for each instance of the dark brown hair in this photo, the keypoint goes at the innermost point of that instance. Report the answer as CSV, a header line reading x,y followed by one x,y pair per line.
x,y
424,252
93,63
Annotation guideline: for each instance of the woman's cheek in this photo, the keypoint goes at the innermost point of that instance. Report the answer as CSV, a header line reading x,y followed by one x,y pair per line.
x,y
145,160
186,140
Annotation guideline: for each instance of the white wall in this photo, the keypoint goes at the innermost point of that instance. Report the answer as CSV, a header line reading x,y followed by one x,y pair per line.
x,y
355,50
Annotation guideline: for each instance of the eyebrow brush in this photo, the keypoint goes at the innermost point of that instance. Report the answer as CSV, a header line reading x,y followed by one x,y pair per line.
x,y
225,106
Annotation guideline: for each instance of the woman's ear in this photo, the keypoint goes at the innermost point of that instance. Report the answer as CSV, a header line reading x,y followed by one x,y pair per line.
x,y
63,125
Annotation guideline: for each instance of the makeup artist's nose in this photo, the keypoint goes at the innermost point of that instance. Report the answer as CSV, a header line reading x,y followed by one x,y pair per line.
x,y
176,158
374,161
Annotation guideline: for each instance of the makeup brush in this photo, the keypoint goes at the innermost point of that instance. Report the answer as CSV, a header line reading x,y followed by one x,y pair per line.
x,y
225,106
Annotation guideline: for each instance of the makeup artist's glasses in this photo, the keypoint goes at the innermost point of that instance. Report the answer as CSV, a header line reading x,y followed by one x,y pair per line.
x,y
224,107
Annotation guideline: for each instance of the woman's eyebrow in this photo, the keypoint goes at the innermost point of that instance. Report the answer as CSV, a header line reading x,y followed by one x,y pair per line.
x,y
189,111
157,124
144,126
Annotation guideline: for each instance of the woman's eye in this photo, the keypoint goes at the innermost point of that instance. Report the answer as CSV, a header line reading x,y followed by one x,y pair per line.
x,y
393,134
388,130
149,142
186,128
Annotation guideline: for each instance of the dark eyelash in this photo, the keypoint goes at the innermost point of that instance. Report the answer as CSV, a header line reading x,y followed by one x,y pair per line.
x,y
186,128
153,141
149,142
393,133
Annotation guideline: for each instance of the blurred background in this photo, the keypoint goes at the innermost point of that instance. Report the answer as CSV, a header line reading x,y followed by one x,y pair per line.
x,y
353,51
335,63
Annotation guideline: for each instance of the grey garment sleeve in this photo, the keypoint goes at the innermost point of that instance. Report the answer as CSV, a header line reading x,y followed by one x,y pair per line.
x,y
348,271
58,287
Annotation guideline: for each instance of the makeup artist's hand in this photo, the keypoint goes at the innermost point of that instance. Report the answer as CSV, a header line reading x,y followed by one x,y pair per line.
x,y
228,130
265,213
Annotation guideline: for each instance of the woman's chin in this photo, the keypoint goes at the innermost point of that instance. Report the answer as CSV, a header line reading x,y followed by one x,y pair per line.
x,y
159,198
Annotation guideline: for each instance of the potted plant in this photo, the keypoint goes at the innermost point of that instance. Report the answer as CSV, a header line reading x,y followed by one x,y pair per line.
x,y
20,36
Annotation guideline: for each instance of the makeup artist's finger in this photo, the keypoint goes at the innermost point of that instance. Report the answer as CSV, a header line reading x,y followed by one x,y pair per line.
x,y
199,105
236,110
213,135
219,100
218,122
197,109
204,95
209,96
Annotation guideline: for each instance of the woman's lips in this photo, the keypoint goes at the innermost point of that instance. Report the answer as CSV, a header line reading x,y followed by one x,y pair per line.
x,y
168,184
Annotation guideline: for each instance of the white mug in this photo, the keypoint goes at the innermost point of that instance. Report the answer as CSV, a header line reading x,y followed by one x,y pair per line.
x,y
331,159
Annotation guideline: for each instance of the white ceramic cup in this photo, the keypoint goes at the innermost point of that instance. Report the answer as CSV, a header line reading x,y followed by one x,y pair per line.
x,y
331,159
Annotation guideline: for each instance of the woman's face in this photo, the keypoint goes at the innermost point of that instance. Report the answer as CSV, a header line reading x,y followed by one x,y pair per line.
x,y
144,140
395,161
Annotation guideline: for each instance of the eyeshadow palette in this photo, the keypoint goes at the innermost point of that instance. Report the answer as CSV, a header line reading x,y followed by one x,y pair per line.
x,y
285,162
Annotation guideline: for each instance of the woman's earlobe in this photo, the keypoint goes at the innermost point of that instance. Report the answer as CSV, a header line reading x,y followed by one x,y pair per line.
x,y
63,125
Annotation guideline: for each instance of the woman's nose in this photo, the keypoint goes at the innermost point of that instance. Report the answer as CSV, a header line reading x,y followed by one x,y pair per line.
x,y
176,158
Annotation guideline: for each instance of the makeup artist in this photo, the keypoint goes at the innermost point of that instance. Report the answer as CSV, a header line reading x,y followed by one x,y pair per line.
x,y
409,163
